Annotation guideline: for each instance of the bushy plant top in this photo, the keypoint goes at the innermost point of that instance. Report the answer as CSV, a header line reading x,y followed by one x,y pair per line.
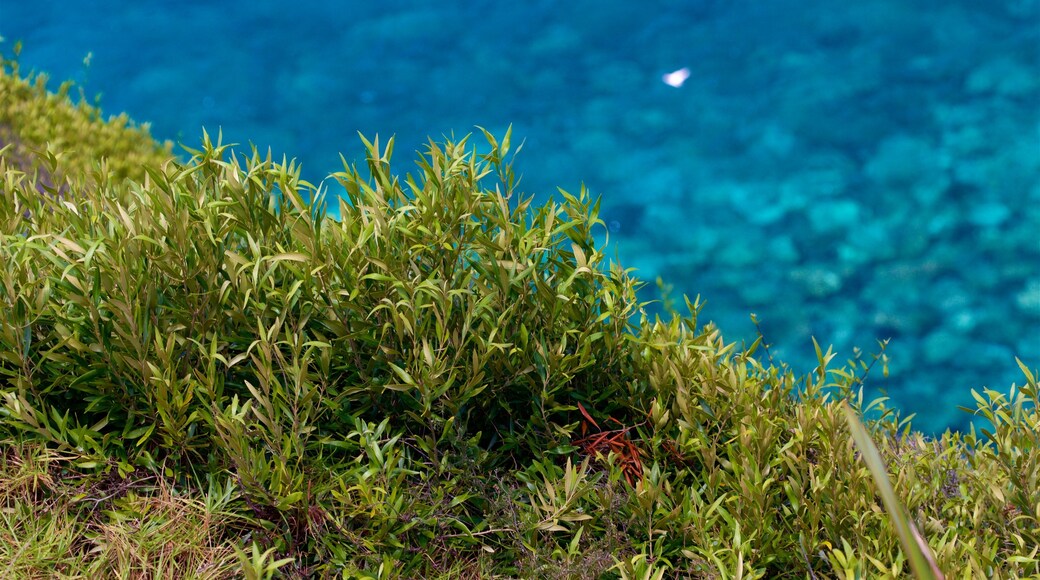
x,y
45,135
445,381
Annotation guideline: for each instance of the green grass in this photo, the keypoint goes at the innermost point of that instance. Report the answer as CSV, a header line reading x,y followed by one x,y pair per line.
x,y
201,376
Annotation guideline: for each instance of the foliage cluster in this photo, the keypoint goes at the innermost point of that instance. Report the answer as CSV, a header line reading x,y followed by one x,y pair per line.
x,y
202,375
39,126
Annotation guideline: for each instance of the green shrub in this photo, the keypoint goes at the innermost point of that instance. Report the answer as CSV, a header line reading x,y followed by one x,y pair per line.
x,y
53,141
444,381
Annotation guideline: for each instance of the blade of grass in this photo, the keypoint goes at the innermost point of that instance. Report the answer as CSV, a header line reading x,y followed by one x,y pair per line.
x,y
918,553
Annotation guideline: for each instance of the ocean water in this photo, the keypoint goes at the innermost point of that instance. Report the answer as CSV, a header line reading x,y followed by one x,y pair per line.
x,y
850,171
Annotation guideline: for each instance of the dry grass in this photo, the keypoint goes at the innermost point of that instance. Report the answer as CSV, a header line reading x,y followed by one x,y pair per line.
x,y
80,527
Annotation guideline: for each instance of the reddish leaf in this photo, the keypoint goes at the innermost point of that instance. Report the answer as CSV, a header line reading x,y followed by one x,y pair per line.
x,y
587,416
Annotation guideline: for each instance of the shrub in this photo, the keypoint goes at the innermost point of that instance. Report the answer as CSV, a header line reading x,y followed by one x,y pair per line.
x,y
443,381
53,141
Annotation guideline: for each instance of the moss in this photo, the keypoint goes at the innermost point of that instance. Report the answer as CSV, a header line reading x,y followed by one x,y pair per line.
x,y
445,382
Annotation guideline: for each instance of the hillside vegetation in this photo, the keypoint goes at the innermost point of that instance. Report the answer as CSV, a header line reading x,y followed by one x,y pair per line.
x,y
203,376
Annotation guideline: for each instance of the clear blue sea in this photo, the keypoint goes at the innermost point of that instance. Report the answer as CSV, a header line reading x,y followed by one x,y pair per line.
x,y
846,171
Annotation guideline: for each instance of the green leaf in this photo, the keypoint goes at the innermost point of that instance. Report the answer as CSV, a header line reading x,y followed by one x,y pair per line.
x,y
289,257
403,374
1030,378
26,341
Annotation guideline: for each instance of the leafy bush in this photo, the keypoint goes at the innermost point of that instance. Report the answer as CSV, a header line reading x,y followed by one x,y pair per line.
x,y
53,141
444,381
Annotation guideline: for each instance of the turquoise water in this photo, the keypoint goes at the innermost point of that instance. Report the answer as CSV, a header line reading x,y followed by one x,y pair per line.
x,y
849,173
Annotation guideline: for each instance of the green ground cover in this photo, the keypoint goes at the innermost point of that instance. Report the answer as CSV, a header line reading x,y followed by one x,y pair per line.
x,y
201,377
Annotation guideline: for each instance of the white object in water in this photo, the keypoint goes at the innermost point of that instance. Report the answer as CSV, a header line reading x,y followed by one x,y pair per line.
x,y
676,78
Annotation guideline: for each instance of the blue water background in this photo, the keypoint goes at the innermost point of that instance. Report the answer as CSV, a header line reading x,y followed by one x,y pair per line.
x,y
849,171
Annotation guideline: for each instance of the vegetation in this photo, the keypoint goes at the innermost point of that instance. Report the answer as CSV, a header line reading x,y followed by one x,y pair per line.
x,y
201,375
